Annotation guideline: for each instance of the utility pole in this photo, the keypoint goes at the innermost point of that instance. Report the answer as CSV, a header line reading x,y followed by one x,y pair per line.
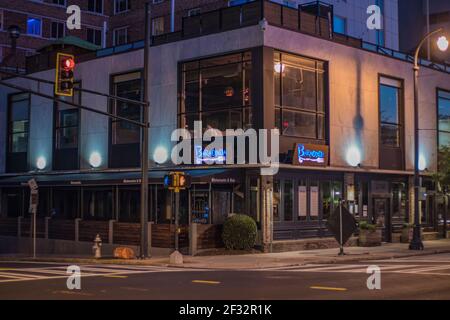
x,y
144,148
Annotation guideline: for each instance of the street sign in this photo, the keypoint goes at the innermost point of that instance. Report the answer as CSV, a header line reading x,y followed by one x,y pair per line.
x,y
341,217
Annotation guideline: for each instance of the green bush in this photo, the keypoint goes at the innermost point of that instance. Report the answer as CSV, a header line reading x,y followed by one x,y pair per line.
x,y
239,232
364,225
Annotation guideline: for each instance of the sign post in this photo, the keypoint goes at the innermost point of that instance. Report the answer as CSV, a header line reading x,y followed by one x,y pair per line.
x,y
34,201
177,181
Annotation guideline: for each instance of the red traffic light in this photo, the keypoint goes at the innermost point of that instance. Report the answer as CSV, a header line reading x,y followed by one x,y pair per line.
x,y
68,64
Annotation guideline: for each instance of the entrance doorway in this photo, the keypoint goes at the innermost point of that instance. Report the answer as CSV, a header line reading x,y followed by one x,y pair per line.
x,y
382,218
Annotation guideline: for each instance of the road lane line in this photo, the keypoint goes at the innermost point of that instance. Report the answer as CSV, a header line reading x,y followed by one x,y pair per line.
x,y
115,276
328,288
205,281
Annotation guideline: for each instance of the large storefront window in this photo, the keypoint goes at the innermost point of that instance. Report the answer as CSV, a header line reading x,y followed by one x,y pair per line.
x,y
65,203
98,204
443,118
299,96
217,91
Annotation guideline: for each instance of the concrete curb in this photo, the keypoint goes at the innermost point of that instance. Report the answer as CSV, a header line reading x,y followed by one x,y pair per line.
x,y
164,262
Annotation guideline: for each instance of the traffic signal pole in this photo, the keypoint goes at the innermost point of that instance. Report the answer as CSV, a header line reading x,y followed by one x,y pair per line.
x,y
144,151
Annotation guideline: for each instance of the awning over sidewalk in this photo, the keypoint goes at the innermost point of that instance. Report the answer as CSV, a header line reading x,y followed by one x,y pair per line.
x,y
217,176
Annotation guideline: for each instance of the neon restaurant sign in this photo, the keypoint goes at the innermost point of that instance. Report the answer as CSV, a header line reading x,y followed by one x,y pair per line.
x,y
311,155
209,155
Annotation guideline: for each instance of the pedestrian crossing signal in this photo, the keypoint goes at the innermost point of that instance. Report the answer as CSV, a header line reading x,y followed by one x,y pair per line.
x,y
177,181
64,77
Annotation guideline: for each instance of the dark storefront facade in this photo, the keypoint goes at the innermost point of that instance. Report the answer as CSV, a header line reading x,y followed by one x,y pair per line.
x,y
345,135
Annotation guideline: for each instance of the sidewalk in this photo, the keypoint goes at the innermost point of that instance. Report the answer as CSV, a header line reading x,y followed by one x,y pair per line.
x,y
266,260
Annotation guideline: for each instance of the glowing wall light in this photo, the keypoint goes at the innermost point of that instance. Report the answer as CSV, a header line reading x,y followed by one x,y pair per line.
x,y
95,160
41,163
160,155
353,156
422,163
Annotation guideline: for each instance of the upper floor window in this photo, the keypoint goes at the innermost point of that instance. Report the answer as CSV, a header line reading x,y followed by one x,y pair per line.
x,y
390,112
57,30
217,91
120,36
126,86
158,26
339,25
299,96
95,6
443,118
121,6
60,2
18,123
34,26
94,36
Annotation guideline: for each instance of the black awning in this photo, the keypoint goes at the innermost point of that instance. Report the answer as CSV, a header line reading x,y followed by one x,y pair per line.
x,y
216,176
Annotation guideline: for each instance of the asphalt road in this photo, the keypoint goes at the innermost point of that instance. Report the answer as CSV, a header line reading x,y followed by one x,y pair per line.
x,y
426,277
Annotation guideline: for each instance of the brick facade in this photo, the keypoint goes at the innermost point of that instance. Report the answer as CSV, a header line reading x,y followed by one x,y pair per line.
x,y
18,11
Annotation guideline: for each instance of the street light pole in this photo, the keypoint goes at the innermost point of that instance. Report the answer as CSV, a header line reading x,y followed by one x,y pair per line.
x,y
144,150
416,242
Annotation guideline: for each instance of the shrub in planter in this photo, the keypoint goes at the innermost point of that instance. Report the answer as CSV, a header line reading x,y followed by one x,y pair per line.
x,y
369,235
406,233
239,232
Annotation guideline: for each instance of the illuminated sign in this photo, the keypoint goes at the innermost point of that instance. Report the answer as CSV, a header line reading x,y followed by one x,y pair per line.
x,y
312,155
209,155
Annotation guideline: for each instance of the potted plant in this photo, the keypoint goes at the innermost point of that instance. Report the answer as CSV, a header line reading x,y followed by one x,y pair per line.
x,y
406,233
369,235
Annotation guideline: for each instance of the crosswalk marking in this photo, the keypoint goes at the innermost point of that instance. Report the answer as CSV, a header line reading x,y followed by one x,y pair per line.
x,y
362,268
59,272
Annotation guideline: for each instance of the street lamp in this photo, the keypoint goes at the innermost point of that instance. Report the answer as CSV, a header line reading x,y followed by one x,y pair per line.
x,y
442,43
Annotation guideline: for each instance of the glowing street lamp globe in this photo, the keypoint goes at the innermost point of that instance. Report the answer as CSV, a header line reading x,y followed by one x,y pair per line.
x,y
442,43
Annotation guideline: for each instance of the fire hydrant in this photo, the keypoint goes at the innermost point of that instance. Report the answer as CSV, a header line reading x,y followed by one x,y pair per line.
x,y
97,248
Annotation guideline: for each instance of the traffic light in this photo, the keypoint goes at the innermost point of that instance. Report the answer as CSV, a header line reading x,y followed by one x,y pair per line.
x,y
65,64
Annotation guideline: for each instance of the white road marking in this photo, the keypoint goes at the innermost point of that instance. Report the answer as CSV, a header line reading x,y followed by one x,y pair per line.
x,y
59,272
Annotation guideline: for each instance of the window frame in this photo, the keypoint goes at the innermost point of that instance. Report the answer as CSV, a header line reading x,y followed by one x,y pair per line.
x,y
40,27
401,111
9,132
243,109
95,5
94,30
116,7
324,113
112,107
438,130
57,126
115,36
57,30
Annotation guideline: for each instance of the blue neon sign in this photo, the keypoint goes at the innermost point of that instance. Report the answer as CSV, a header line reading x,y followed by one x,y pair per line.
x,y
209,155
310,155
